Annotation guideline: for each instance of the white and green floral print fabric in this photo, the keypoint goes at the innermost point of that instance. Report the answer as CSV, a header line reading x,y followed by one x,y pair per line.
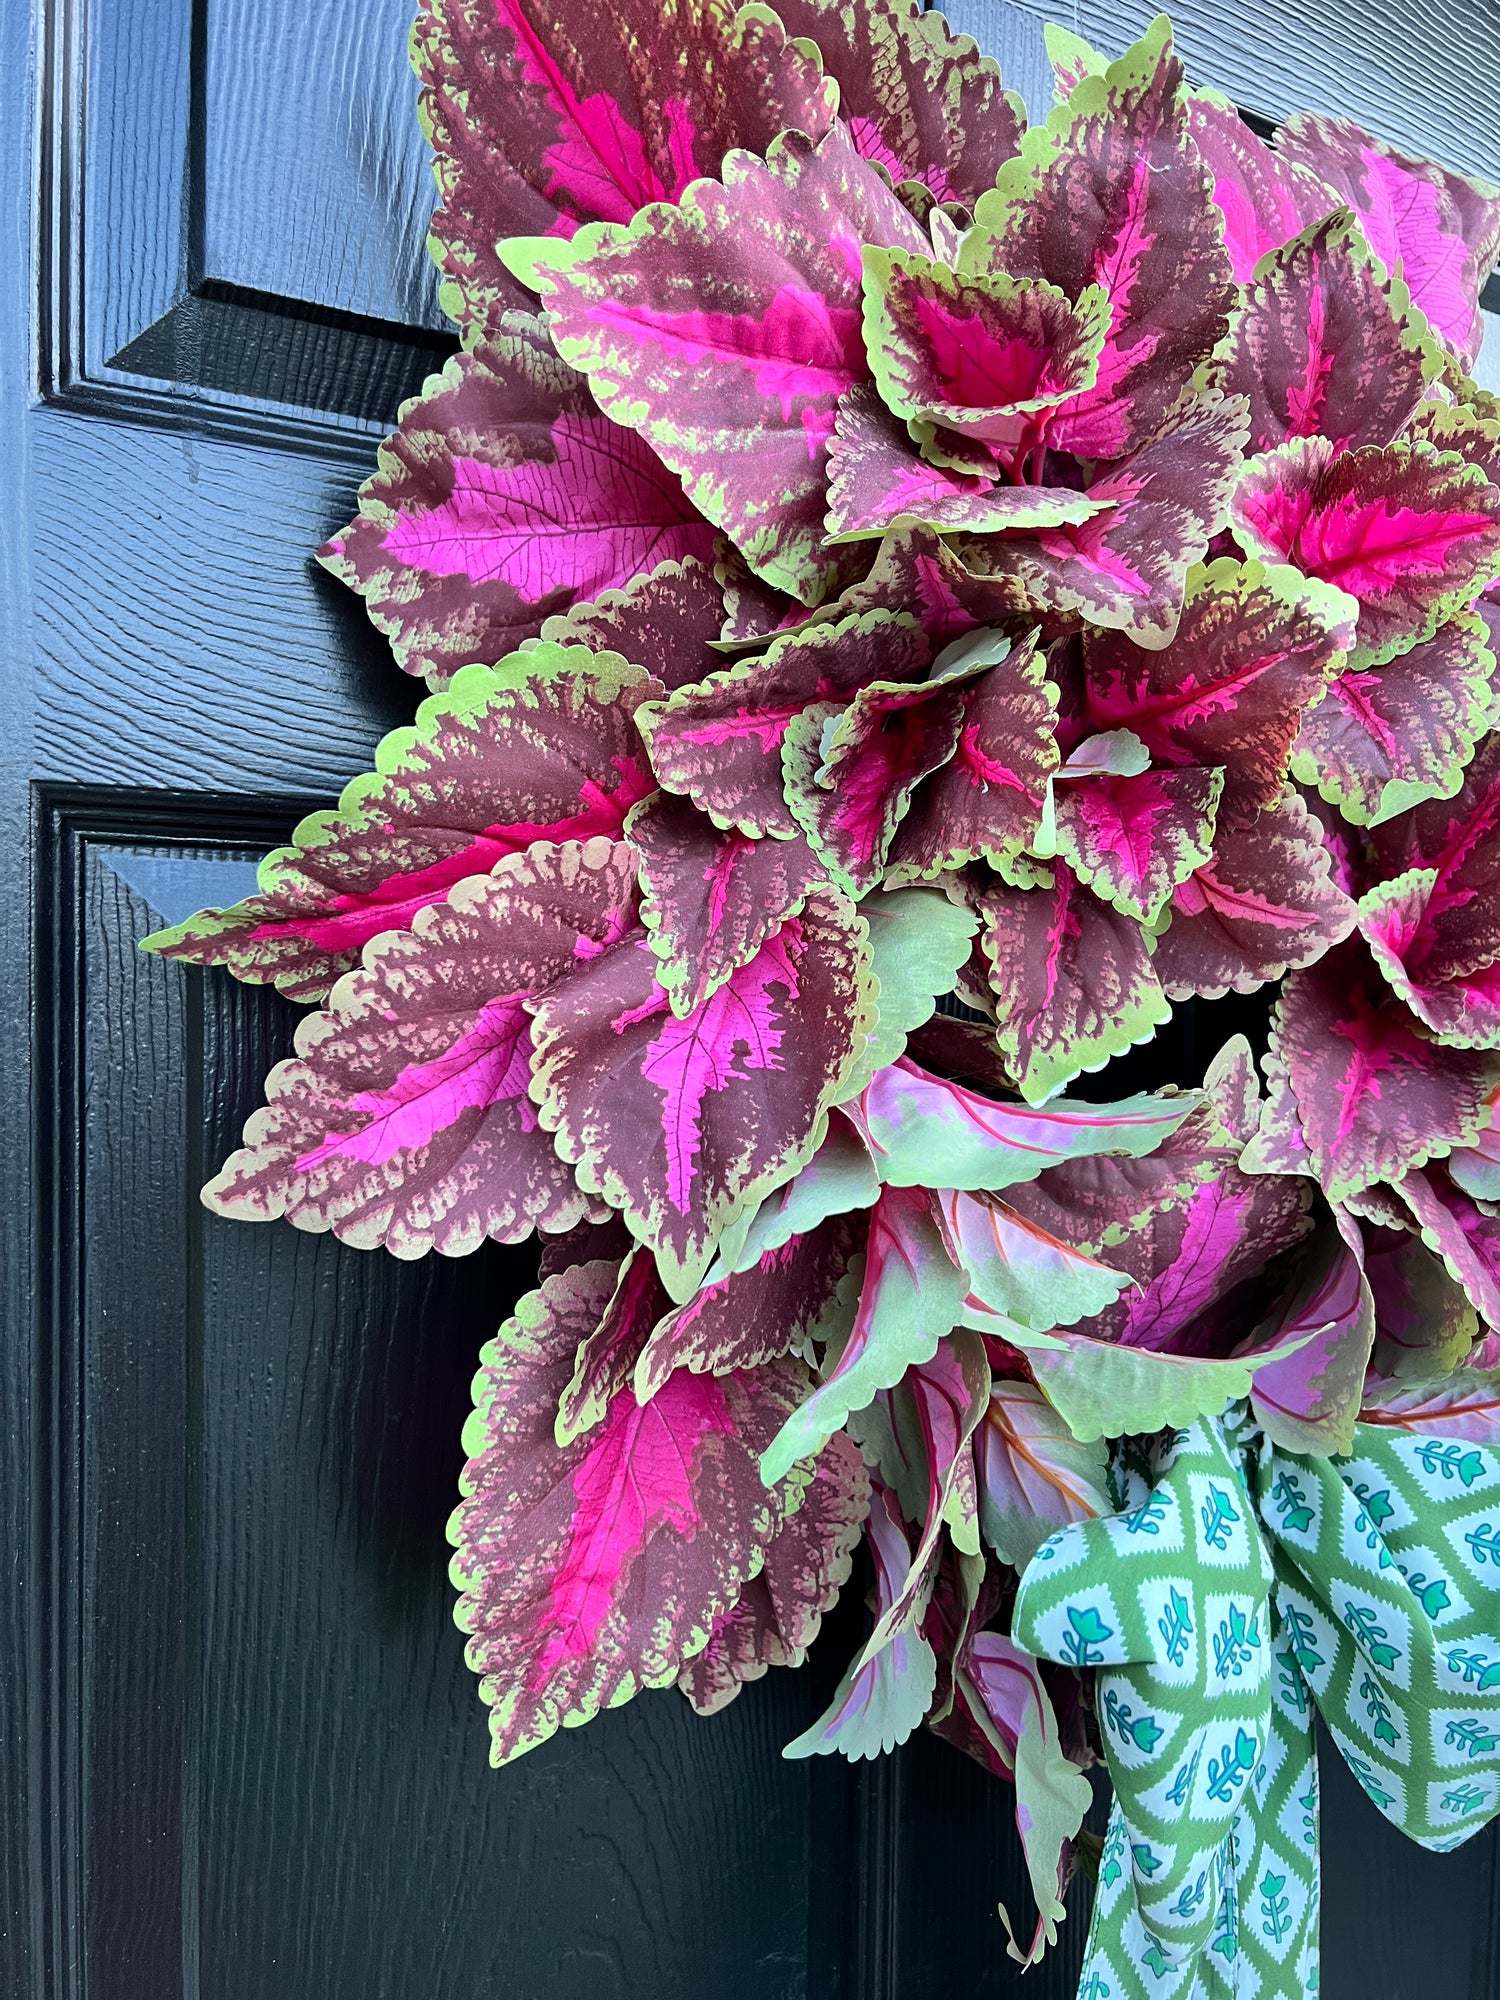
x,y
1240,1587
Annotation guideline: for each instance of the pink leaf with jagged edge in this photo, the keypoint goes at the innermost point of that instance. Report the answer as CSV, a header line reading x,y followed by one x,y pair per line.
x,y
1253,650
922,102
777,1615
1072,980
405,1120
877,480
1188,1259
1321,349
1436,230
976,354
543,116
923,1131
736,392
1386,737
664,622
1118,196
1309,1400
1264,902
1134,839
1410,533
502,497
883,1697
542,747
1375,1097
597,513
720,741
849,774
986,801
788,1296
591,1571
607,1355
711,898
1464,1405
1126,567
1265,200
1424,1323
683,1123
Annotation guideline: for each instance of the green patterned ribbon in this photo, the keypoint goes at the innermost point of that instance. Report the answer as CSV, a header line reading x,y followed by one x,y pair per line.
x,y
1240,1586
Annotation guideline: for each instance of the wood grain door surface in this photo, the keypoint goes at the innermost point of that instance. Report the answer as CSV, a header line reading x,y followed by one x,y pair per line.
x,y
243,1758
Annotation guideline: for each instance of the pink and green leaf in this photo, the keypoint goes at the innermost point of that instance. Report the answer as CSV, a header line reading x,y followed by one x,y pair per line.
x,y
1265,200
686,1122
777,1615
719,742
1324,347
1457,1229
1264,902
1425,1325
665,622
986,802
1034,1475
711,898
920,101
1018,1270
1435,230
503,497
736,392
546,116
590,1572
919,938
977,353
1410,533
1383,739
404,1121
542,747
1112,192
1072,980
1127,566
1309,1400
1464,1406
1376,1098
789,1296
879,1701
607,1355
878,481
1132,840
1252,651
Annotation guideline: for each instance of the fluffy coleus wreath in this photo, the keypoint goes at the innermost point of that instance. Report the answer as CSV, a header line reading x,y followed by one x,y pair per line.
x,y
867,552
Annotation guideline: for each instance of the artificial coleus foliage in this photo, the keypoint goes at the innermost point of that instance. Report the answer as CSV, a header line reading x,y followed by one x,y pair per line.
x,y
908,602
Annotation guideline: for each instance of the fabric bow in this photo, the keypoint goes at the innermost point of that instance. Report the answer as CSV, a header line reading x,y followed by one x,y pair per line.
x,y
1241,1586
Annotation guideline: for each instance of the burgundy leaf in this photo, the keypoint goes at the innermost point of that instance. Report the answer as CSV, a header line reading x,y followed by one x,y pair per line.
x,y
585,1243
502,497
1309,1400
1410,533
777,1615
1265,200
542,747
607,1354
720,741
544,115
590,1572
1456,1228
1322,349
1263,903
789,1296
683,1123
726,329
404,1120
